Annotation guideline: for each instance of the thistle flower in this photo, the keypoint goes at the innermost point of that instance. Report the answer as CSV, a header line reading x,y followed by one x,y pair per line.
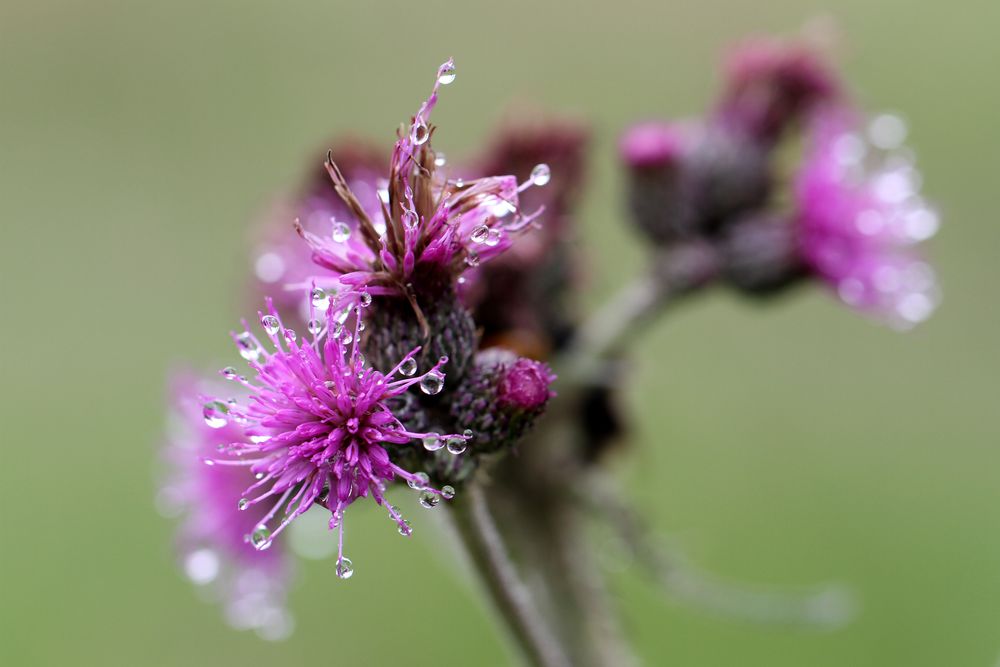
x,y
860,215
769,84
430,229
283,261
214,537
318,427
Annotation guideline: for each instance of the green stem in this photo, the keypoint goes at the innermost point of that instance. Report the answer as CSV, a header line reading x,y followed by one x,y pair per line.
x,y
485,547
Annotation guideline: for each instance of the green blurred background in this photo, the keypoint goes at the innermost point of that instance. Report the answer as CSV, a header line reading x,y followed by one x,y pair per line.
x,y
786,444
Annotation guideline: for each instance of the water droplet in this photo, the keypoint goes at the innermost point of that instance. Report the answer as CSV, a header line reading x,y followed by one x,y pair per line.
x,y
215,413
472,259
365,299
341,232
337,331
410,218
345,568
446,74
440,159
493,239
429,500
290,335
447,492
259,475
314,326
260,539
249,350
404,528
421,481
270,324
456,446
419,134
541,174
433,442
432,383
243,504
459,183
408,367
480,234
347,338
320,299
229,373
468,433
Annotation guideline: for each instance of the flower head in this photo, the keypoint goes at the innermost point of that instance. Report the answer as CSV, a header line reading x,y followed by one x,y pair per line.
x,y
770,84
860,215
428,229
214,538
318,426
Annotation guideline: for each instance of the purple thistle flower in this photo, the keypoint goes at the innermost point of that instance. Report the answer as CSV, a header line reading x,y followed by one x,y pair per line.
x,y
318,427
214,538
860,215
428,229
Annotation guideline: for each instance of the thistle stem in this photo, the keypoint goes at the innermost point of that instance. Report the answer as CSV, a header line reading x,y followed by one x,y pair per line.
x,y
484,544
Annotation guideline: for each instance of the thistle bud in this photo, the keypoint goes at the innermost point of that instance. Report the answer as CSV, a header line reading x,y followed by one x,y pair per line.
x,y
501,398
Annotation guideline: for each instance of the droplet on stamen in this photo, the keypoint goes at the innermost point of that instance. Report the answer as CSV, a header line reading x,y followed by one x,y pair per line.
x,y
215,414
446,74
341,232
429,500
480,234
433,442
270,324
456,446
447,492
541,174
345,568
419,134
248,348
320,299
432,383
229,373
260,539
408,367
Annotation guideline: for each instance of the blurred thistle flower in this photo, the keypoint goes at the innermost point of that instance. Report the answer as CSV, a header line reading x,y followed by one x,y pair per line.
x,y
859,215
318,427
522,300
771,84
214,537
283,266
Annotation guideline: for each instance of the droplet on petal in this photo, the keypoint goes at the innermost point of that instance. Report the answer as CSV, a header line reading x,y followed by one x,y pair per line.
x,y
249,349
429,500
260,539
456,446
229,372
446,74
320,299
480,234
365,299
433,442
419,134
270,324
447,492
215,413
341,232
408,367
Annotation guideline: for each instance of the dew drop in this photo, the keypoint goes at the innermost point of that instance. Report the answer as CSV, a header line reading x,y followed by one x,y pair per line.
x,y
249,350
469,434
365,299
290,335
429,500
347,338
404,528
541,174
456,446
229,373
419,134
447,492
433,442
472,259
409,218
341,232
493,238
314,326
345,568
243,504
408,367
270,324
440,160
432,383
421,481
215,413
260,539
446,74
480,234
320,299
